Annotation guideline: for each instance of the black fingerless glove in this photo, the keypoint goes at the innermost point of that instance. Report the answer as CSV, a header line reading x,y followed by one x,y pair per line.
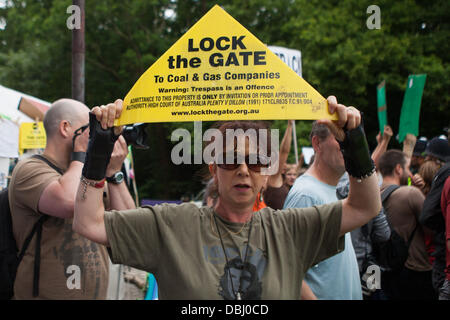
x,y
100,147
355,150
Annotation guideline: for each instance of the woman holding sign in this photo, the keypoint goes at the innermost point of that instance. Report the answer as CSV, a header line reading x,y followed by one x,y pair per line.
x,y
226,252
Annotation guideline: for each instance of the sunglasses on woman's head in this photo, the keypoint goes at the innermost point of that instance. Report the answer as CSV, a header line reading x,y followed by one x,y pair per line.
x,y
253,162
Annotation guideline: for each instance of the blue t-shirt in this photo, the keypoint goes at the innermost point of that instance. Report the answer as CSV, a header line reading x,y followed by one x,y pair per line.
x,y
336,278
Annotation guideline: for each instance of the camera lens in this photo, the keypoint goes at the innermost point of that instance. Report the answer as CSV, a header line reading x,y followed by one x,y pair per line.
x,y
136,135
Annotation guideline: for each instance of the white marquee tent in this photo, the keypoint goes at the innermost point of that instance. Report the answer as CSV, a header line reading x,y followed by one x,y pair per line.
x,y
15,107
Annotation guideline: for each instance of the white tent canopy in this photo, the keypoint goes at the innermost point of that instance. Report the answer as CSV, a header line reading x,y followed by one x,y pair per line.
x,y
10,115
9,104
10,119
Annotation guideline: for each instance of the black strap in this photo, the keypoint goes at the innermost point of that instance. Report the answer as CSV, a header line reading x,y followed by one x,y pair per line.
x,y
78,156
37,228
38,156
27,241
387,192
37,257
384,196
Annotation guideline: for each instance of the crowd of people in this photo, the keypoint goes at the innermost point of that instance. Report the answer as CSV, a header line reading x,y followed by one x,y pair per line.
x,y
410,178
301,233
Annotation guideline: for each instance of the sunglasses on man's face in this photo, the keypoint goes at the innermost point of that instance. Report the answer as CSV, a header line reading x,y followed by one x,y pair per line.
x,y
80,130
253,162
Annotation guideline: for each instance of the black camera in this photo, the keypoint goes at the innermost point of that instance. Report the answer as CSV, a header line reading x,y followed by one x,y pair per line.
x,y
136,135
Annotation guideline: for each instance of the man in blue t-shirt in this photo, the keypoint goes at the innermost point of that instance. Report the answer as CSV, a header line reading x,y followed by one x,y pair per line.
x,y
336,278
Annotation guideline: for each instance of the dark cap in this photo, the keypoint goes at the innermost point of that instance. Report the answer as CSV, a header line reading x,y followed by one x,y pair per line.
x,y
419,148
439,148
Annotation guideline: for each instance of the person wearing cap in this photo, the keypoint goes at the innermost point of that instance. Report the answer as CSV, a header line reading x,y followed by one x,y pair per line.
x,y
418,156
437,203
438,150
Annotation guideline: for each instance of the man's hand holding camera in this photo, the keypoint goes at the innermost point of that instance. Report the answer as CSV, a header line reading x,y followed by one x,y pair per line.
x,y
118,156
80,141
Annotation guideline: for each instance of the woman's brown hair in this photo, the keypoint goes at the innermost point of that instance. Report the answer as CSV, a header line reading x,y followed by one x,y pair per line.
x,y
427,171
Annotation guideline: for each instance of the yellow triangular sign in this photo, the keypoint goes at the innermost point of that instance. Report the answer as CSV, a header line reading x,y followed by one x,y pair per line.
x,y
216,71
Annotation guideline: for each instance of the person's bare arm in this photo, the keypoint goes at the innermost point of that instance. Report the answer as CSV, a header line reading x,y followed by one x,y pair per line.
x,y
58,198
382,145
119,195
276,180
363,202
307,293
89,212
408,145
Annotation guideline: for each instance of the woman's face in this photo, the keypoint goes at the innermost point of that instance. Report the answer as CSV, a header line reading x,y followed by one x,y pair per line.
x,y
290,177
238,186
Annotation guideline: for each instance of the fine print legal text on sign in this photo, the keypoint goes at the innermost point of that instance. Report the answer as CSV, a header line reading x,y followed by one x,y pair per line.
x,y
218,70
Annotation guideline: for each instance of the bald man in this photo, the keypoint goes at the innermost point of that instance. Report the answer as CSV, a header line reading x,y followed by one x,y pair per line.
x,y
43,189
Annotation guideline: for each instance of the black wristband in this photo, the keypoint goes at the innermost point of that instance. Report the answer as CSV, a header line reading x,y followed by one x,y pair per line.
x,y
355,150
100,147
78,156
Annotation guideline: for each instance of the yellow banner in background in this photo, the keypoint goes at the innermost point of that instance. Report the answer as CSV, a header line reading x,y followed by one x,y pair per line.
x,y
32,136
216,71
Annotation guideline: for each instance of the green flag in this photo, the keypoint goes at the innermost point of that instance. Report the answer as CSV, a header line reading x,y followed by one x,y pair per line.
x,y
381,105
409,117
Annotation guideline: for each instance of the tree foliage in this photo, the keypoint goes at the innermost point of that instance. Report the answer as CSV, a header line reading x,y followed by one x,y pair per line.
x,y
340,56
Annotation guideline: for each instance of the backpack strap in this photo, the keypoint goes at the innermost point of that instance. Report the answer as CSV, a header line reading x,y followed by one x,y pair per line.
x,y
385,195
387,192
37,228
37,256
27,241
40,157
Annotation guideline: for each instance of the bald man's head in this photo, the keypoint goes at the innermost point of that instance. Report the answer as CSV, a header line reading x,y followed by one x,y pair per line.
x,y
64,109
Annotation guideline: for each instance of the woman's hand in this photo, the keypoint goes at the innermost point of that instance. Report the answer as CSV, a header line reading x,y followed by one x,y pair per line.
x,y
107,114
387,133
417,181
348,117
